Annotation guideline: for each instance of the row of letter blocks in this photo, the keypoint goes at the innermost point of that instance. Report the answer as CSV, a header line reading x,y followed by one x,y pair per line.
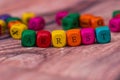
x,y
60,38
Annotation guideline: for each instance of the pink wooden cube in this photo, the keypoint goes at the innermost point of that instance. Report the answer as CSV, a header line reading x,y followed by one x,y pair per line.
x,y
60,16
114,24
36,23
88,36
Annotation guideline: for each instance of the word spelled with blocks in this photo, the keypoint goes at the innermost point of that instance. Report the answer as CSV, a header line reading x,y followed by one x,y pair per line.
x,y
114,23
60,38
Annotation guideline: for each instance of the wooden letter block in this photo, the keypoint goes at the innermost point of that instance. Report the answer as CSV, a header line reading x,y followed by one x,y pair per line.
x,y
10,24
28,38
73,37
103,35
16,30
58,38
88,36
36,23
96,22
4,17
60,16
43,39
3,27
116,13
71,21
27,16
114,24
85,20
13,19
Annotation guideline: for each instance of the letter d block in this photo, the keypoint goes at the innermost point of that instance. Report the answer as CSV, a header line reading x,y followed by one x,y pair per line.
x,y
28,38
103,34
73,37
58,38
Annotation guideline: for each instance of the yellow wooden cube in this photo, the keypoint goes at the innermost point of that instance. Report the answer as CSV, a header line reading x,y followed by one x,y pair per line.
x,y
3,27
27,16
17,29
58,38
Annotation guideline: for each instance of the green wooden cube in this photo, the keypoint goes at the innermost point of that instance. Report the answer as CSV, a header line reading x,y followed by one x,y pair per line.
x,y
12,19
71,21
116,13
103,34
28,38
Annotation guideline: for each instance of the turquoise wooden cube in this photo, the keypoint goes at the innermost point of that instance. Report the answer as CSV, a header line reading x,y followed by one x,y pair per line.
x,y
28,38
71,21
103,34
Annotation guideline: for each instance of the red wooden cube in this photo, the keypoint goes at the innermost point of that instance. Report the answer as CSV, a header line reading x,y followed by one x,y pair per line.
x,y
43,39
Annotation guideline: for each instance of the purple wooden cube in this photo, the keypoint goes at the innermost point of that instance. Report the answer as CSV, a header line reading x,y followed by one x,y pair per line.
x,y
36,23
60,16
4,16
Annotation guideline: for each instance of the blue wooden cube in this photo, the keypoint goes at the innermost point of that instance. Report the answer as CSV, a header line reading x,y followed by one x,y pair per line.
x,y
103,34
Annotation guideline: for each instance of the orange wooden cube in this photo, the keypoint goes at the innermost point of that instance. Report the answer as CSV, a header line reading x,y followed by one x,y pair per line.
x,y
12,23
96,22
73,37
85,20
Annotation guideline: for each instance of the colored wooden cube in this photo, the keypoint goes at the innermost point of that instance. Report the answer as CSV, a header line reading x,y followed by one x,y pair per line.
x,y
10,24
58,38
73,37
43,39
114,24
36,23
3,28
118,16
103,35
88,36
116,13
13,19
71,21
60,16
4,17
16,30
85,20
96,22
27,16
0,30
28,38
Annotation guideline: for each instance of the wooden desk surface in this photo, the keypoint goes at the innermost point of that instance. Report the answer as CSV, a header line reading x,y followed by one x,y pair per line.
x,y
91,62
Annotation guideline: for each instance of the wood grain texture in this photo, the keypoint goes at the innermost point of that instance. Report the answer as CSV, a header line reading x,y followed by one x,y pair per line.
x,y
90,62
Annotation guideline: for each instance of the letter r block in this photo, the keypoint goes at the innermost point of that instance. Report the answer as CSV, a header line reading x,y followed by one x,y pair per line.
x,y
58,38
